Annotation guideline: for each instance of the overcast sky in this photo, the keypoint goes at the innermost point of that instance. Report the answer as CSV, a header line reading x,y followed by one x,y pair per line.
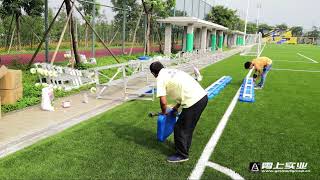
x,y
292,12
304,13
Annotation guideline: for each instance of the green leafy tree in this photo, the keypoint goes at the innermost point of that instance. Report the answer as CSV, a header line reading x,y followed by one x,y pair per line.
x,y
251,28
282,27
2,32
14,8
224,16
132,14
32,29
239,25
155,8
265,27
297,31
102,24
131,9
87,9
6,25
315,32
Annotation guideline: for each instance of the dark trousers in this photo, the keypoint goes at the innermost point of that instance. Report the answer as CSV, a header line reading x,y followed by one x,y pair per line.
x,y
185,125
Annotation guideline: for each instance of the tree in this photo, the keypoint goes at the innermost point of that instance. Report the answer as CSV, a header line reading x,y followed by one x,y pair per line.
x,y
239,25
73,37
58,26
7,23
155,8
282,27
265,27
315,32
176,30
297,31
87,8
32,29
133,9
224,16
251,28
102,25
14,8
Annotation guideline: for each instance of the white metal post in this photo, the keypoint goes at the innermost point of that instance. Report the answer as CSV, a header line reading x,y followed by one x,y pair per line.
x,y
124,81
258,17
246,22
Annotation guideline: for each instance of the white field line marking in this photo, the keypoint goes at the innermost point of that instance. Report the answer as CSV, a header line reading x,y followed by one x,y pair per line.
x,y
225,170
297,70
280,52
308,58
208,150
292,61
262,49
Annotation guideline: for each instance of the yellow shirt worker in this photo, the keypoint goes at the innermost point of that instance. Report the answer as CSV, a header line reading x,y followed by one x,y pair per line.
x,y
188,94
262,66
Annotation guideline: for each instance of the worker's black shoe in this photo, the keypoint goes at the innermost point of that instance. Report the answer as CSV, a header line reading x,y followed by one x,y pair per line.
x,y
258,87
176,158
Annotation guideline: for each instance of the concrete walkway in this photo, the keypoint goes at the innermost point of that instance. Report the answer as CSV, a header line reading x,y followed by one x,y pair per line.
x,y
23,128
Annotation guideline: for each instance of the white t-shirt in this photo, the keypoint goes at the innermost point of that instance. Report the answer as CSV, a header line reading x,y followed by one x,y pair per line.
x,y
180,86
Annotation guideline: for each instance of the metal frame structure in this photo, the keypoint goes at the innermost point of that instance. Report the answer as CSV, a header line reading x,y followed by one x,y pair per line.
x,y
133,70
135,77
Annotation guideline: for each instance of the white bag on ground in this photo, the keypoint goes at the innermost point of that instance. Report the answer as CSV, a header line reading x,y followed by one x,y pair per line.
x,y
197,73
93,61
47,98
83,58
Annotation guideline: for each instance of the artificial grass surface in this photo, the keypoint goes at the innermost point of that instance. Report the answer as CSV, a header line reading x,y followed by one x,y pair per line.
x,y
281,126
121,143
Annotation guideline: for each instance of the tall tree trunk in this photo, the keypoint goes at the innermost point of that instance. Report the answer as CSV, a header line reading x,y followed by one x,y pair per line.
x,y
148,38
73,37
160,40
11,40
31,42
86,35
177,39
8,34
18,32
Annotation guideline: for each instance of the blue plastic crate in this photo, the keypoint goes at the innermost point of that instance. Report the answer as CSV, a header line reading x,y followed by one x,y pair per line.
x,y
214,89
247,91
166,125
150,91
144,58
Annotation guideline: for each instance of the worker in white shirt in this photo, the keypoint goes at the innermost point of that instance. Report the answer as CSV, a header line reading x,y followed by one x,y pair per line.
x,y
188,94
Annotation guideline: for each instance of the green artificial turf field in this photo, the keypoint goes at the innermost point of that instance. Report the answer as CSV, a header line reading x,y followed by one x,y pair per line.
x,y
281,126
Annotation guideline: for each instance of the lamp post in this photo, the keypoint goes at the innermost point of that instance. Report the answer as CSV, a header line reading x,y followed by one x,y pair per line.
x,y
246,22
258,16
